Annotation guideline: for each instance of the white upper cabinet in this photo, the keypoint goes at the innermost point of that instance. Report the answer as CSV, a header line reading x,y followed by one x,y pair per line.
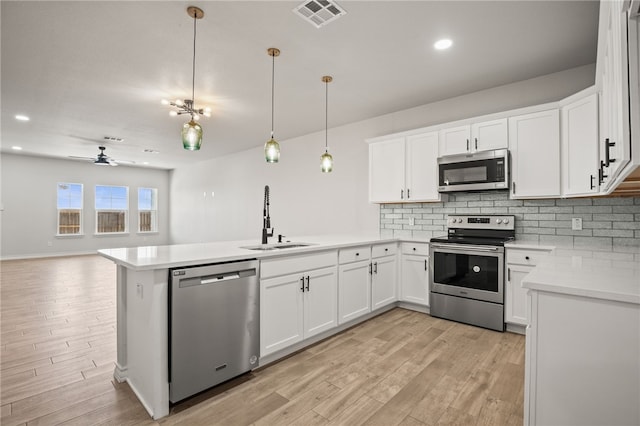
x,y
479,136
455,140
404,169
613,80
579,147
422,167
534,142
386,171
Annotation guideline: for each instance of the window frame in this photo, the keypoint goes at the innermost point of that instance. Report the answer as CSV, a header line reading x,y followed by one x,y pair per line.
x,y
153,211
112,210
80,211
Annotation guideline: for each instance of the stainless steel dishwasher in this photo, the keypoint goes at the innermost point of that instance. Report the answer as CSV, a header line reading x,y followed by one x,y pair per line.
x,y
214,325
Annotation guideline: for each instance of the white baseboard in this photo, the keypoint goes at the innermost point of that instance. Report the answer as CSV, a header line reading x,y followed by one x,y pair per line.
x,y
43,255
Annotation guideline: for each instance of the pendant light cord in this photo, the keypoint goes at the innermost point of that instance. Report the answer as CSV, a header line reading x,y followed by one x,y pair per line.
x,y
273,72
193,64
326,116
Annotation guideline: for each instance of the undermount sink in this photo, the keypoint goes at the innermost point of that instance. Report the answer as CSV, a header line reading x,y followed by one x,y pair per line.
x,y
277,246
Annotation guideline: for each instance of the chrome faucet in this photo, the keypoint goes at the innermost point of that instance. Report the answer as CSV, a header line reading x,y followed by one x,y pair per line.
x,y
266,220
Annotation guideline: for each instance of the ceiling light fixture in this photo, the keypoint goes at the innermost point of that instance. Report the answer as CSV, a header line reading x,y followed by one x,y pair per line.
x,y
16,148
326,160
443,44
21,117
272,148
191,131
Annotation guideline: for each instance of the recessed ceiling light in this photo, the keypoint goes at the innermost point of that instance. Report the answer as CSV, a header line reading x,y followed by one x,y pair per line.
x,y
445,43
17,148
22,117
146,163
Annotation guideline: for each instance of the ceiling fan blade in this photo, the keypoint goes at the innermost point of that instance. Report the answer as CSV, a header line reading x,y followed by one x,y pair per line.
x,y
81,158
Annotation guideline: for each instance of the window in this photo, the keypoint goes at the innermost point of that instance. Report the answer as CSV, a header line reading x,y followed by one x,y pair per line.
x,y
112,209
69,208
147,210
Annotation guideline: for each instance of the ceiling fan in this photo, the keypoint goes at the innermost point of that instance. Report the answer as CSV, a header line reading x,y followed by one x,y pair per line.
x,y
103,159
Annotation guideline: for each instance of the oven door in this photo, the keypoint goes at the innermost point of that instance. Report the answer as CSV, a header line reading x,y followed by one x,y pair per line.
x,y
472,272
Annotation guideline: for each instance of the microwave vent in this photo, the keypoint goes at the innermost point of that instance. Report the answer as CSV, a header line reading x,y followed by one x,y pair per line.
x,y
319,12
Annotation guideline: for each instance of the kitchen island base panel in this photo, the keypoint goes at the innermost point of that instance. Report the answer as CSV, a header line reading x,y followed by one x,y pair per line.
x,y
582,361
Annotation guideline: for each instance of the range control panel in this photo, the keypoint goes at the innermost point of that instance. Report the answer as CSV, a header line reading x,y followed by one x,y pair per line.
x,y
481,222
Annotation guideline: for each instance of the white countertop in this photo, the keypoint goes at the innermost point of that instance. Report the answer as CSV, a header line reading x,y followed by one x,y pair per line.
x,y
609,273
178,255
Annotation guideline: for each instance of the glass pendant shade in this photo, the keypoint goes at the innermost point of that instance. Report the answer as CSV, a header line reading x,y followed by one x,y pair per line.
x,y
192,136
326,161
272,151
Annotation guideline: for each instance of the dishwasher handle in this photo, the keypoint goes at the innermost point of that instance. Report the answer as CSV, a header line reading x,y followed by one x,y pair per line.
x,y
220,278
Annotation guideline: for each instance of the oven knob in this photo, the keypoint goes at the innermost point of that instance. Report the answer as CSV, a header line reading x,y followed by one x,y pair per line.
x,y
499,221
506,221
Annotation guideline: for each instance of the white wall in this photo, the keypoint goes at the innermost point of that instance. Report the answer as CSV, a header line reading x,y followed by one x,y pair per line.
x,y
305,201
29,186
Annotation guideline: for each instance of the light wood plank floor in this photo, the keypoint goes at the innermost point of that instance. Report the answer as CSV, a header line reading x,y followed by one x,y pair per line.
x,y
58,348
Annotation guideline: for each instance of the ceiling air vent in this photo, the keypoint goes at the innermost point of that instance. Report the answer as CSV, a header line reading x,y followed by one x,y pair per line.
x,y
319,12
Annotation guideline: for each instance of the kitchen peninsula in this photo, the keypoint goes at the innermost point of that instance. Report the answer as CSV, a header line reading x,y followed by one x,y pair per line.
x,y
609,278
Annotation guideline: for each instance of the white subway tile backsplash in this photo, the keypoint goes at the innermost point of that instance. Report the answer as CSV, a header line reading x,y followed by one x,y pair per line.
x,y
614,220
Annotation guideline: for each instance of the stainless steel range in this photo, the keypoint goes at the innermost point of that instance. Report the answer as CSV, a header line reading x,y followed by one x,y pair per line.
x,y
467,270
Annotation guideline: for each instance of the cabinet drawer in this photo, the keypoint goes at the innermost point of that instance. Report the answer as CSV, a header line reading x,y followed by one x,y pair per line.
x,y
293,264
353,254
525,257
384,250
415,248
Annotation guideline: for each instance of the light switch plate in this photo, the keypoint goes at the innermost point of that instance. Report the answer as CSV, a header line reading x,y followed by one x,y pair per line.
x,y
576,223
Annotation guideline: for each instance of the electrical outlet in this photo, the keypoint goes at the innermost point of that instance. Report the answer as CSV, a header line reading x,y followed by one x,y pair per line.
x,y
412,221
576,224
139,290
49,244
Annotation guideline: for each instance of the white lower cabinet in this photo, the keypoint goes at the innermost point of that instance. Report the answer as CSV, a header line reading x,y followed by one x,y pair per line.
x,y
298,299
384,275
414,276
354,292
519,263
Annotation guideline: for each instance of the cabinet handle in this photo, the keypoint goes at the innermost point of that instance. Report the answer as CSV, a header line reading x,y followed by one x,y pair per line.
x,y
308,279
591,178
509,274
414,249
386,249
526,257
408,193
302,288
602,175
402,194
425,264
375,267
467,144
357,254
476,144
607,153
371,269
513,187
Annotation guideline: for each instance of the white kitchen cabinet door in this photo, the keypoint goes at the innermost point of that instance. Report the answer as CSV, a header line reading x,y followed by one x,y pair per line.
x,y
354,290
415,279
422,167
386,171
615,143
281,313
489,135
580,147
534,142
455,140
383,282
515,296
320,301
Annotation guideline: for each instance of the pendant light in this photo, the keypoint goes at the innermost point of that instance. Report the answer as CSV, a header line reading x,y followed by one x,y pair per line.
x,y
326,160
191,131
272,148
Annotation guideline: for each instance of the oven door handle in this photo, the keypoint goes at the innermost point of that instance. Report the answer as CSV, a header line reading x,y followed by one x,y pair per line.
x,y
465,247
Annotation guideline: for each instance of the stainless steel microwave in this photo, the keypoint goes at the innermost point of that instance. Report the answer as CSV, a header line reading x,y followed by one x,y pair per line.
x,y
478,171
